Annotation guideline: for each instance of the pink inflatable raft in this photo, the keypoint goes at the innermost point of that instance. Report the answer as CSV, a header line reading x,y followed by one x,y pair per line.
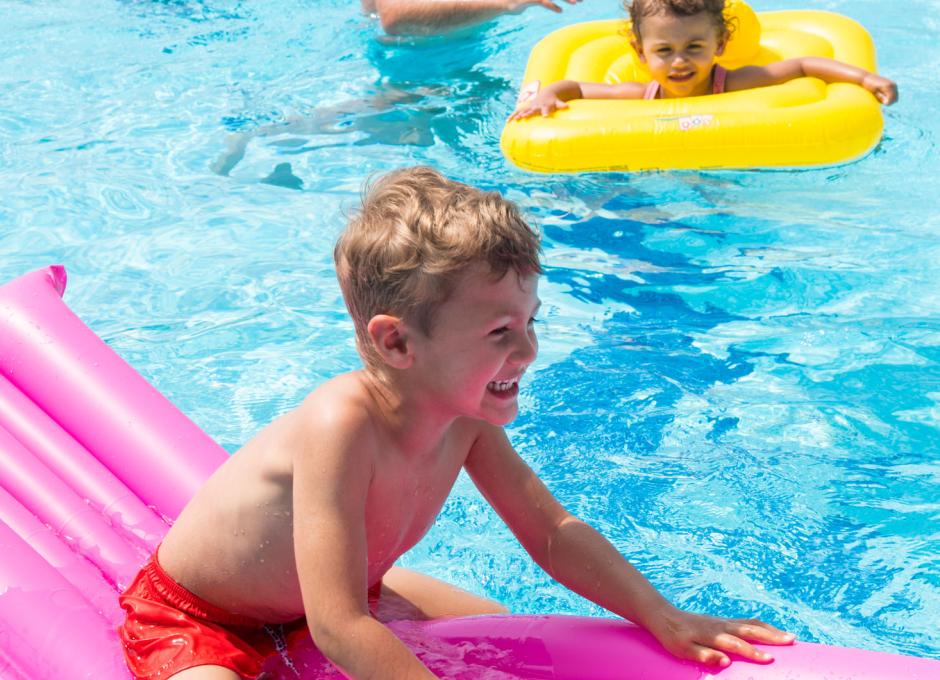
x,y
93,460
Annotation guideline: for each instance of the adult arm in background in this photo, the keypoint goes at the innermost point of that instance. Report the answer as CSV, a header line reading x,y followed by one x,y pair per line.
x,y
427,17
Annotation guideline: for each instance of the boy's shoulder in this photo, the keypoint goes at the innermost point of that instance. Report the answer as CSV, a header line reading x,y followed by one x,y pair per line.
x,y
343,401
339,409
344,414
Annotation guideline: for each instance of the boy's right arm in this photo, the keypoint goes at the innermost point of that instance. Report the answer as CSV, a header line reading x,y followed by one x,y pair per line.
x,y
555,96
332,470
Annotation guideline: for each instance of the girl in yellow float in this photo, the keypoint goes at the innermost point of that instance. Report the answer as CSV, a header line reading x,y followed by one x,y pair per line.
x,y
679,40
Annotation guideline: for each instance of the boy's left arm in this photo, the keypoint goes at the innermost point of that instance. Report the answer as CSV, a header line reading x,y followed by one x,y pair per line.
x,y
580,558
828,70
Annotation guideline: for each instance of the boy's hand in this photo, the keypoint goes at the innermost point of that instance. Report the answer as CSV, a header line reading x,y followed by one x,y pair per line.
x,y
709,640
885,91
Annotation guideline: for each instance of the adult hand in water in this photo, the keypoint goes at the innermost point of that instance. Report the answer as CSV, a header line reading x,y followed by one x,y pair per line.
x,y
427,17
521,5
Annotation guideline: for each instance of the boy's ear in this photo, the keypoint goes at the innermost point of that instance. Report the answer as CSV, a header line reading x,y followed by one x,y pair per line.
x,y
389,338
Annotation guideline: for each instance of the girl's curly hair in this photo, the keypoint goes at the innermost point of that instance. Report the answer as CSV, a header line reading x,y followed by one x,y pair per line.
x,y
715,9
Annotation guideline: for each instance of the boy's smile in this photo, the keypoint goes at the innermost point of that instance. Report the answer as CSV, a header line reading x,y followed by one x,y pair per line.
x,y
680,52
481,342
505,389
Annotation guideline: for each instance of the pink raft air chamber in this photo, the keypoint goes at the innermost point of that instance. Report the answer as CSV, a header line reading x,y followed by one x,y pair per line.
x,y
92,461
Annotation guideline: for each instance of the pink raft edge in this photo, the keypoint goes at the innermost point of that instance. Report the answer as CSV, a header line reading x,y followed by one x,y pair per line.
x,y
139,453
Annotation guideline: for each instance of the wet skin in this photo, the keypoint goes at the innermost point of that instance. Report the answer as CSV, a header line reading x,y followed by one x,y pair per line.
x,y
234,543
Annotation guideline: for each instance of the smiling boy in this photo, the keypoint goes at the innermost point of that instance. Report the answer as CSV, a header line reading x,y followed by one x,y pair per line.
x,y
302,526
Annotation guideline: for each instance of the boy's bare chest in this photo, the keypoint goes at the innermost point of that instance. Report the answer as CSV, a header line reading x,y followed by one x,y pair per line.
x,y
403,505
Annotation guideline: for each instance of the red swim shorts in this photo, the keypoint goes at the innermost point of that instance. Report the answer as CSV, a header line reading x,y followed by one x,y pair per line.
x,y
168,629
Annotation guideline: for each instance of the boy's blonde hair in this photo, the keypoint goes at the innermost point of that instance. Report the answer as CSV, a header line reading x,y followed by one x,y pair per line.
x,y
416,232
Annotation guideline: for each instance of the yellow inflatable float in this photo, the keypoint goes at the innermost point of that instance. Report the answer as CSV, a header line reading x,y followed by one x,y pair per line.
x,y
799,123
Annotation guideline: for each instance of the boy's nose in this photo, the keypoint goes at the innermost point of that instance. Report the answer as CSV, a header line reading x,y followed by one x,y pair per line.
x,y
527,348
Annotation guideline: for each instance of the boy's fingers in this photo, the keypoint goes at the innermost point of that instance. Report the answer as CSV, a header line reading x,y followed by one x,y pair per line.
x,y
735,645
708,656
758,631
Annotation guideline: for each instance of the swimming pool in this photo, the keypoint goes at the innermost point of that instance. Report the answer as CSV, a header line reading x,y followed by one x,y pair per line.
x,y
739,379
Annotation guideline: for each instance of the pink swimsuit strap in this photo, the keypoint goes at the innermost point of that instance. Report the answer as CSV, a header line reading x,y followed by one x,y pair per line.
x,y
719,74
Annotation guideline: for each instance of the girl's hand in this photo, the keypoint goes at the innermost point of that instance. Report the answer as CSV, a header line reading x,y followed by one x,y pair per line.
x,y
885,91
709,640
545,102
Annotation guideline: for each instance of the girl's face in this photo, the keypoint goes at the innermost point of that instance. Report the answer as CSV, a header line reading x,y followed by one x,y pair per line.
x,y
680,52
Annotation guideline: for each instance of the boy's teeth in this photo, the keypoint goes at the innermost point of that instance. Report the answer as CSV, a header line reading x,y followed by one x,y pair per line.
x,y
502,385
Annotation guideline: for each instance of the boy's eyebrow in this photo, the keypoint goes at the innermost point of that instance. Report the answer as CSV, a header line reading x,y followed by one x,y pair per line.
x,y
510,315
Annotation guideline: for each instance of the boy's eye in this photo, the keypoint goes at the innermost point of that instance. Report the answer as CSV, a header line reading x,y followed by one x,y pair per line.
x,y
502,330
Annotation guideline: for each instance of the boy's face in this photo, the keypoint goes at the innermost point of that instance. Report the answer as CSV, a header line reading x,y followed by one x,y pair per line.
x,y
481,342
680,51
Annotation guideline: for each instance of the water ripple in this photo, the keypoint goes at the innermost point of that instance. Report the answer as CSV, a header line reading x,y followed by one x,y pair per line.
x,y
739,378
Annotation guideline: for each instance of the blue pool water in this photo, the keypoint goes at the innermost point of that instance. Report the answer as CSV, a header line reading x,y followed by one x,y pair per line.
x,y
739,380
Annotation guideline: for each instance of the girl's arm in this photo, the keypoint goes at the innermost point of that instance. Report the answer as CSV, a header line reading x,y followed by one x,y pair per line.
x,y
828,70
555,96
